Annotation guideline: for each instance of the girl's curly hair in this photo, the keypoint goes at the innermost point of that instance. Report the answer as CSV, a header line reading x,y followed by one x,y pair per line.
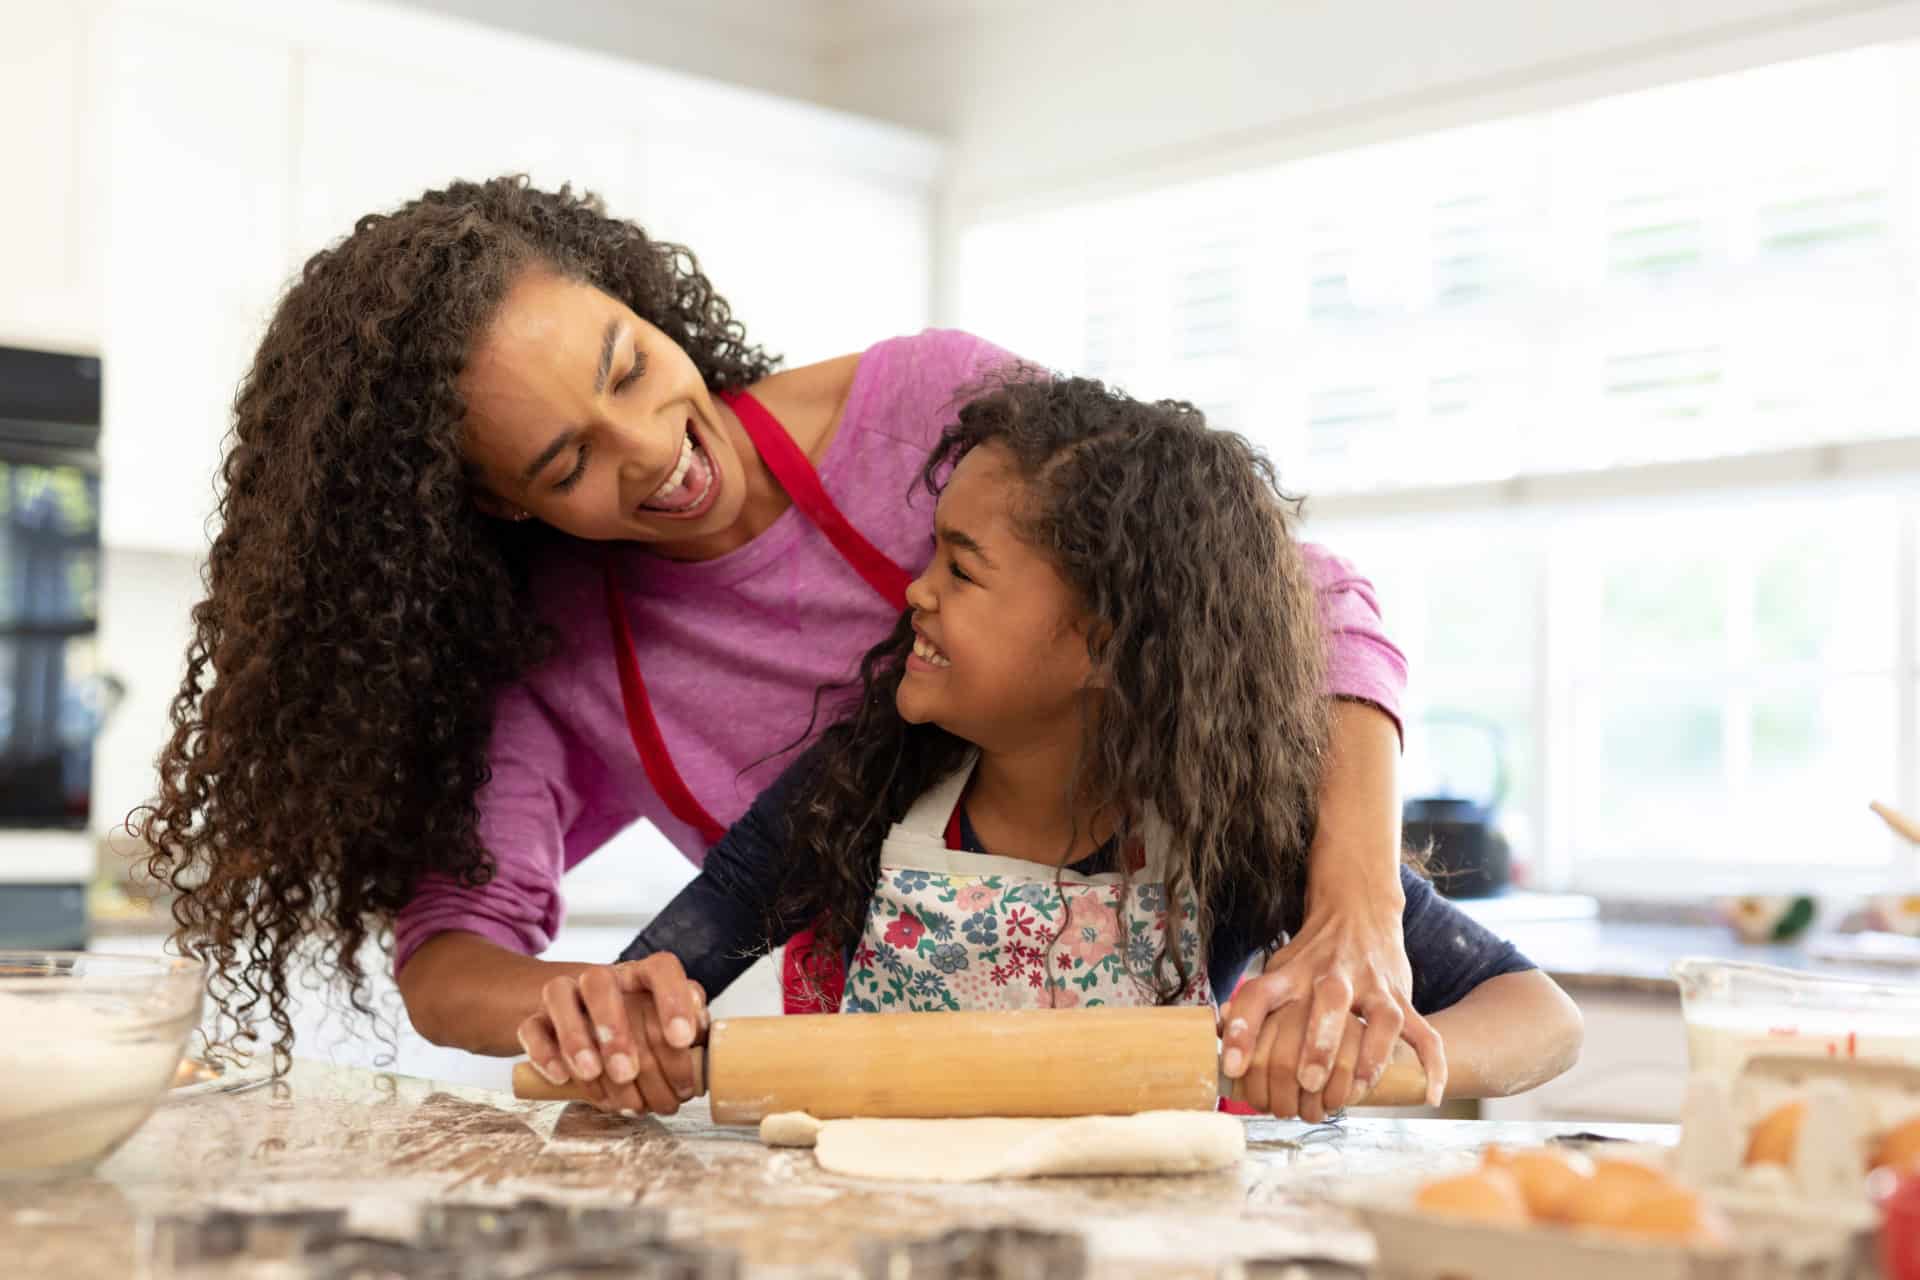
x,y
1205,636
331,731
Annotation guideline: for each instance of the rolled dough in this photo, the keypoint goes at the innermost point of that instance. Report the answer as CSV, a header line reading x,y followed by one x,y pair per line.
x,y
976,1150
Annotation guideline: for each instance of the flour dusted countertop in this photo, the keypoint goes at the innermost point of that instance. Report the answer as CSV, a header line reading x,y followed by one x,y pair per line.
x,y
377,1144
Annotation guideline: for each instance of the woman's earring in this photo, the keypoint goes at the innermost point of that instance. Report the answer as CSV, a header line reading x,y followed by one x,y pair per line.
x,y
518,516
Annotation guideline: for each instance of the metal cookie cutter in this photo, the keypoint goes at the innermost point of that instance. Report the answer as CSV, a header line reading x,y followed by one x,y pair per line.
x,y
991,1253
181,1243
1304,1267
643,1262
543,1225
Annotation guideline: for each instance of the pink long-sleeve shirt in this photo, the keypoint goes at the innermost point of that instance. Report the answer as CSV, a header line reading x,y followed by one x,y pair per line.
x,y
733,649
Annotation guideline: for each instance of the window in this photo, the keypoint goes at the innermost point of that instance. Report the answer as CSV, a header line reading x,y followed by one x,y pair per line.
x,y
1615,403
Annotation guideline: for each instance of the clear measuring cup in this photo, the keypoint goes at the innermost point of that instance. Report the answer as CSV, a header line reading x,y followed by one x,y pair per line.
x,y
1734,1010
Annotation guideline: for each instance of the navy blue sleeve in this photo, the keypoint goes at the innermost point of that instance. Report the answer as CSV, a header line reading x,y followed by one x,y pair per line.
x,y
1451,953
719,924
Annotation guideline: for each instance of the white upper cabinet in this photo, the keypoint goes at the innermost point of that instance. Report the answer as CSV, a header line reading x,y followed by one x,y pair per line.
x,y
49,228
196,252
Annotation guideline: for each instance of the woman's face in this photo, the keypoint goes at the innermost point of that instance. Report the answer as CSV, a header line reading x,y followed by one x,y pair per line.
x,y
585,416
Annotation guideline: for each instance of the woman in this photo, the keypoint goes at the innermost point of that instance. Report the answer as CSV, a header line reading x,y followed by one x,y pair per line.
x,y
522,540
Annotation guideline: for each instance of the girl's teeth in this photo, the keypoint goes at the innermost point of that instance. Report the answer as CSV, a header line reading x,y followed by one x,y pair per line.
x,y
927,653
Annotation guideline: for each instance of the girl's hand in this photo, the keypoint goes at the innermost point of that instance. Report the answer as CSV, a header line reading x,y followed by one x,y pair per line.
x,y
1341,964
1271,1082
623,1031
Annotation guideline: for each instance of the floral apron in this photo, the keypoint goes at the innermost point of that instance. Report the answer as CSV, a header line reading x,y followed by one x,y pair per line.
x,y
951,930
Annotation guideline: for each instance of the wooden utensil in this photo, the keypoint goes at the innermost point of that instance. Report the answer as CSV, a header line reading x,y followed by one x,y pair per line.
x,y
1900,822
1040,1062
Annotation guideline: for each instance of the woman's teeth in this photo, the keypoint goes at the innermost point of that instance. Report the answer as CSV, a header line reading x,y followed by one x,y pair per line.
x,y
675,493
928,654
680,469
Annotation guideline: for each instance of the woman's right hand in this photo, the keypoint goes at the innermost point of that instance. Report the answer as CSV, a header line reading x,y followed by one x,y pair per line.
x,y
623,1031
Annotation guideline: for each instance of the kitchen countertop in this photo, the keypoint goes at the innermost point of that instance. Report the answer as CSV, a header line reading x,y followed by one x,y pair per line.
x,y
1627,956
331,1136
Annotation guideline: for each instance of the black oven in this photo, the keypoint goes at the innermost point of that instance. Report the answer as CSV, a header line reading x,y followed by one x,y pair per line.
x,y
53,694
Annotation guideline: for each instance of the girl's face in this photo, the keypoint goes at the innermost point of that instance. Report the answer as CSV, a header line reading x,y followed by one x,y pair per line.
x,y
584,415
1000,655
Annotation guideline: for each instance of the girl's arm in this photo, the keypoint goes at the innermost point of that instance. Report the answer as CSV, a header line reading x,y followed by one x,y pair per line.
x,y
1509,1034
1485,1001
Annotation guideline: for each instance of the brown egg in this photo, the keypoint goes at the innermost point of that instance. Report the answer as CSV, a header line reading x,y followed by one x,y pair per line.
x,y
1899,1148
1549,1180
1773,1140
1613,1191
1486,1195
1673,1214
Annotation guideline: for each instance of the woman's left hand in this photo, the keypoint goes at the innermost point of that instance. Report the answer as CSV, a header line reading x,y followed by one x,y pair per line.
x,y
1345,961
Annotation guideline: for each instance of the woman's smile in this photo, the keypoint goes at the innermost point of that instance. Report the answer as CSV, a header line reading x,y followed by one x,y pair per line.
x,y
691,488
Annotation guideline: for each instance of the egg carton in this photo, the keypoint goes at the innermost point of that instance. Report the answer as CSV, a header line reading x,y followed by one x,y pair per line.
x,y
1848,1102
1792,1243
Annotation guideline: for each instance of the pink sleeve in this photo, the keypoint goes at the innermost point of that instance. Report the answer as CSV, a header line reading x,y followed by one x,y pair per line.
x,y
524,809
1362,662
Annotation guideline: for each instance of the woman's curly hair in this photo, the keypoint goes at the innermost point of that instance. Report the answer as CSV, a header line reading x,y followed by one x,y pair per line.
x,y
331,731
1204,634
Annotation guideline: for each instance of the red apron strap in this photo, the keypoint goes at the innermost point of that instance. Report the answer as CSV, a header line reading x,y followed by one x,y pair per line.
x,y
794,470
666,780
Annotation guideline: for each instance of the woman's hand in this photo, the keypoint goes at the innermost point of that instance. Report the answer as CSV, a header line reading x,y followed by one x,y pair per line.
x,y
1339,965
1350,956
623,1031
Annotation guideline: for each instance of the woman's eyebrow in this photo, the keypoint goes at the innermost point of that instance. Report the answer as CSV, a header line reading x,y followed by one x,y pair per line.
x,y
607,343
609,340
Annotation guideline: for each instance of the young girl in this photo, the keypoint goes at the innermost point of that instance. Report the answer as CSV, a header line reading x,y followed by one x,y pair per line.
x,y
1081,771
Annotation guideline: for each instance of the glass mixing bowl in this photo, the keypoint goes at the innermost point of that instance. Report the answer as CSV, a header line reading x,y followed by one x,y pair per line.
x,y
88,1045
1735,1010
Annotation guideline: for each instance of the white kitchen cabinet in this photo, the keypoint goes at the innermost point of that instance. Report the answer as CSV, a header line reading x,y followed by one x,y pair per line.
x,y
49,225
196,252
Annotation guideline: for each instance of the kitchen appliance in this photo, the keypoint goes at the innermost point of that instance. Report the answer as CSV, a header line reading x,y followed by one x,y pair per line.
x,y
53,694
1456,779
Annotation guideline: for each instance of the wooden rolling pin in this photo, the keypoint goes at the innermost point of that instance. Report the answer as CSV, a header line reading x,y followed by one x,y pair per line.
x,y
1039,1062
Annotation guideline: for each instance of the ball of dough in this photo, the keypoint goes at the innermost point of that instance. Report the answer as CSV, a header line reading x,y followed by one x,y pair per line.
x,y
1773,1140
1899,1148
1485,1195
1549,1180
1613,1191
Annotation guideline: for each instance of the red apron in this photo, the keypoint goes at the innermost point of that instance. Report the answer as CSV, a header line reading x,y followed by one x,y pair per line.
x,y
806,986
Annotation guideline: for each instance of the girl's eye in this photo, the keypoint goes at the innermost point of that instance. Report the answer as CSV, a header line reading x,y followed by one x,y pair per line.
x,y
572,478
632,375
954,568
